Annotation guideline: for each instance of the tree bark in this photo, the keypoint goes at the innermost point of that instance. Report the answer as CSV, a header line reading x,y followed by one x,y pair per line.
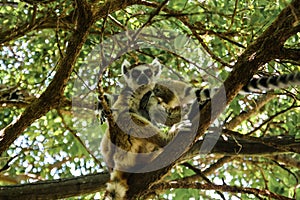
x,y
265,48
64,188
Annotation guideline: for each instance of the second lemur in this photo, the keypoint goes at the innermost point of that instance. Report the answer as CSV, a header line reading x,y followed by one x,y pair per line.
x,y
133,141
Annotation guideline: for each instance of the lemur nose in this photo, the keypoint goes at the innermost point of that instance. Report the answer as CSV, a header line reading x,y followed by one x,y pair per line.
x,y
143,80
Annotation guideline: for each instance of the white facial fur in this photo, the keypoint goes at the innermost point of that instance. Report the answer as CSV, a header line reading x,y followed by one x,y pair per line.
x,y
141,75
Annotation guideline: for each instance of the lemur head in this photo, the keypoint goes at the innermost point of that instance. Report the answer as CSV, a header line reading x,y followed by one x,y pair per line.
x,y
143,75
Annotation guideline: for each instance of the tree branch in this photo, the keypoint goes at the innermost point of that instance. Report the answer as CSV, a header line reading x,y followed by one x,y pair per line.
x,y
56,189
246,115
281,143
64,188
239,146
54,92
52,96
263,50
289,54
223,188
260,52
287,160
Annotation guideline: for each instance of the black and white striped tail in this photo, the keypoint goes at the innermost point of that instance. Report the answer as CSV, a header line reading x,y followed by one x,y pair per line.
x,y
256,85
272,82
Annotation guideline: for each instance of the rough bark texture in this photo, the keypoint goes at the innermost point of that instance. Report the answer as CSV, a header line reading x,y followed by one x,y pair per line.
x,y
265,48
56,189
53,94
51,97
64,188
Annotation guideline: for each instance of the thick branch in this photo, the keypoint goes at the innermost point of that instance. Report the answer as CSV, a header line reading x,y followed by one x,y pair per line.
x,y
56,189
51,97
260,52
289,54
235,146
282,143
91,183
263,50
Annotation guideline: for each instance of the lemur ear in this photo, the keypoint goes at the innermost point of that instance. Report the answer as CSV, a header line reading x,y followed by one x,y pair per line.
x,y
156,66
125,67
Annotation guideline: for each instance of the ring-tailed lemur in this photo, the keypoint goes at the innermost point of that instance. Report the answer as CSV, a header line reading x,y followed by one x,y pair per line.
x,y
133,141
169,100
167,103
147,101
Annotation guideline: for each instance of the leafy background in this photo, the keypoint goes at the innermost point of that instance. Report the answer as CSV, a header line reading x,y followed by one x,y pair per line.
x,y
53,148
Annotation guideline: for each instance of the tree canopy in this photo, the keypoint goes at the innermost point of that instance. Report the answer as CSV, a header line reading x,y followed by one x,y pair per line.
x,y
57,57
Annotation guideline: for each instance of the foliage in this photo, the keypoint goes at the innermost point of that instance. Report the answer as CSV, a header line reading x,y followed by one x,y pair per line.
x,y
64,142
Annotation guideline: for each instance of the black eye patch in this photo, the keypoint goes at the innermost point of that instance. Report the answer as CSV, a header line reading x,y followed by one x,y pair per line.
x,y
148,72
135,73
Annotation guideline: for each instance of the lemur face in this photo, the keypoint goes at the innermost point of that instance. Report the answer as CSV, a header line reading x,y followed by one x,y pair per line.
x,y
143,75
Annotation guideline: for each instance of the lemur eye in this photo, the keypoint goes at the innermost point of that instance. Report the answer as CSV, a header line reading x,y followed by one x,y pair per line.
x,y
148,72
135,73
